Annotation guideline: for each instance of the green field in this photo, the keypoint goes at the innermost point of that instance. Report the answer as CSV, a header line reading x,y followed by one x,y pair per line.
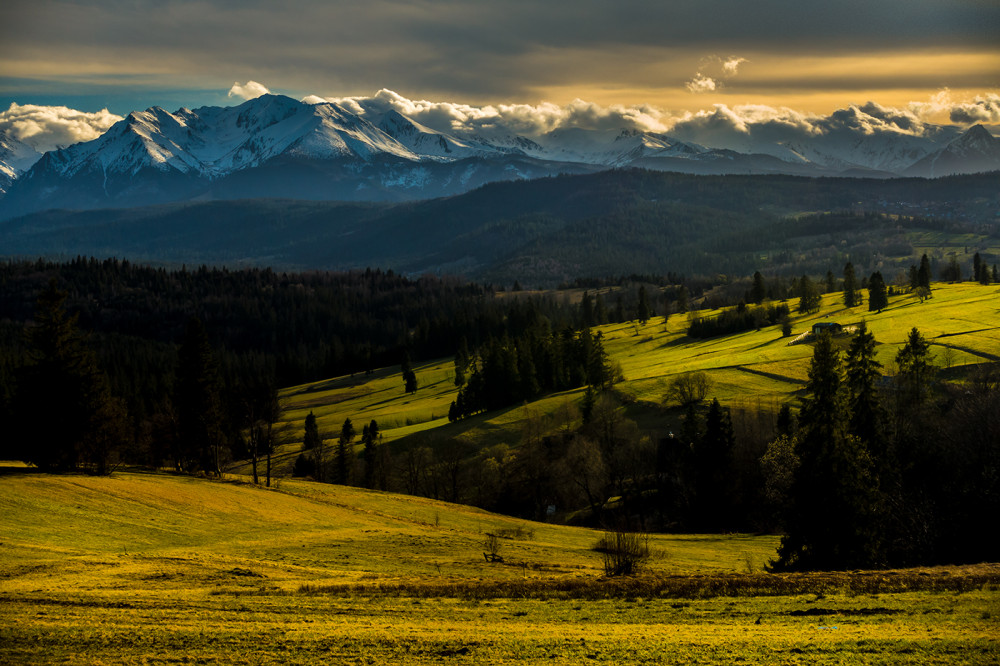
x,y
157,568
961,321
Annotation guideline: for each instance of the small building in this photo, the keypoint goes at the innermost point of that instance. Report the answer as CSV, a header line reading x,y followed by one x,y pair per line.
x,y
830,327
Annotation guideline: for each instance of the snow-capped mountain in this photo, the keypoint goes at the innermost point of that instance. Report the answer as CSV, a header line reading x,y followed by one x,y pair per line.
x,y
974,151
16,157
275,146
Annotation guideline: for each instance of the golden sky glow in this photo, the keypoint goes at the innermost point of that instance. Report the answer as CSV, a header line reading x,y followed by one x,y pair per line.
x,y
812,57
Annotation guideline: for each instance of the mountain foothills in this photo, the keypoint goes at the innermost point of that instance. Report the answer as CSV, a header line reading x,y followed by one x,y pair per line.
x,y
274,146
550,231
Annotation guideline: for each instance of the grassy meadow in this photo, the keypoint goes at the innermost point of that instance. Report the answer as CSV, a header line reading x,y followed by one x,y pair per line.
x,y
961,321
144,567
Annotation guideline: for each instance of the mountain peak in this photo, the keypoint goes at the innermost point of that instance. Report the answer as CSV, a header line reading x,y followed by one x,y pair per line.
x,y
976,136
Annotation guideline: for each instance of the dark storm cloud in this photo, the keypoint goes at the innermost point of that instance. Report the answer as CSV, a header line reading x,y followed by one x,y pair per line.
x,y
471,48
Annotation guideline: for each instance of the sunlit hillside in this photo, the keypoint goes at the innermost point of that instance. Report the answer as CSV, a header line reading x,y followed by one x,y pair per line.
x,y
752,368
184,533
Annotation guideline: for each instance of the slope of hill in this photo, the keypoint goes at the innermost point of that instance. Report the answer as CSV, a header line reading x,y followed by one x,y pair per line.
x,y
139,536
747,369
144,567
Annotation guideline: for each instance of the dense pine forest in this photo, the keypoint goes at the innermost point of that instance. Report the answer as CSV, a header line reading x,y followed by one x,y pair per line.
x,y
248,328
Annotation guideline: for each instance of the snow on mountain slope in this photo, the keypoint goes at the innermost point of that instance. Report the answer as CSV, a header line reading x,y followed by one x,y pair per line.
x,y
974,151
16,157
426,142
214,141
276,146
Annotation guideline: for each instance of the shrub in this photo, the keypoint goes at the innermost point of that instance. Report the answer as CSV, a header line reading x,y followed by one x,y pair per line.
x,y
492,548
304,466
689,388
625,553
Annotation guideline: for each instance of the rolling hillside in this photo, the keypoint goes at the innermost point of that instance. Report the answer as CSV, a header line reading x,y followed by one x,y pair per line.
x,y
744,369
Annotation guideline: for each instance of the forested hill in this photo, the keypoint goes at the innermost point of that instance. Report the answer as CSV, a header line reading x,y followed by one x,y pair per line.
x,y
542,231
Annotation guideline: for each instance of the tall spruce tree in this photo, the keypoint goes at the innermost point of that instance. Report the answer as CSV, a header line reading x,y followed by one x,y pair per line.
x,y
312,441
88,423
831,520
915,369
862,373
370,440
642,308
199,403
586,311
713,461
852,293
878,299
809,296
758,292
924,278
344,452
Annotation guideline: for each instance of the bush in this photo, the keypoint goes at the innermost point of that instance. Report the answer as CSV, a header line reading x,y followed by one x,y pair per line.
x,y
689,388
625,553
304,466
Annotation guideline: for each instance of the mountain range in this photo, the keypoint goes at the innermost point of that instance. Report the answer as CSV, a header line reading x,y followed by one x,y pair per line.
x,y
276,147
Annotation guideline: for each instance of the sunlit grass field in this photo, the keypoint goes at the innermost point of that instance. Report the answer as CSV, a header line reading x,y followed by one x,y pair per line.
x,y
157,568
961,321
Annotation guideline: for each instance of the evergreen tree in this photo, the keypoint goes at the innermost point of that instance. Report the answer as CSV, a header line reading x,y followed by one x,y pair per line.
x,y
410,382
312,441
600,311
878,300
619,315
589,400
690,427
924,274
831,520
586,311
758,292
344,453
809,296
199,402
852,294
682,299
977,268
88,424
915,369
862,373
310,437
642,309
713,453
952,272
785,422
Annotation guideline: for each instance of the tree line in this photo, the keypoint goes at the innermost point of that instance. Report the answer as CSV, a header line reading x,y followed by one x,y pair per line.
x,y
188,361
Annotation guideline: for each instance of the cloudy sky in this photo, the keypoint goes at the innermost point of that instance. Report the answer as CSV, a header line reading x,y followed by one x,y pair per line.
x,y
671,57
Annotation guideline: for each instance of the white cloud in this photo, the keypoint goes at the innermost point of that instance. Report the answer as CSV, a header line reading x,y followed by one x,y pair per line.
x,y
730,66
248,90
721,126
45,128
701,84
527,119
983,109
